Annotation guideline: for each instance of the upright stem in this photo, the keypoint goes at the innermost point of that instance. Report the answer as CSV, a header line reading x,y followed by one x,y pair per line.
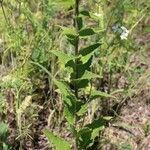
x,y
76,62
77,41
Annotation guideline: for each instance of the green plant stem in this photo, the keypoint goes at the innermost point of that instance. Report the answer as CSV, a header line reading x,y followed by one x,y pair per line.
x,y
77,41
76,63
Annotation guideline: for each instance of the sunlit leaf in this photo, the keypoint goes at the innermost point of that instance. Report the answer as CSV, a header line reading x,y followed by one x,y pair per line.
x,y
70,32
58,142
63,57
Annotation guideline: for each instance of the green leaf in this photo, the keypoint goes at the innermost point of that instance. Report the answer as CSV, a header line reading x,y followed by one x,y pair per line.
x,y
85,13
86,32
96,94
96,126
63,57
70,32
88,50
69,114
72,41
79,22
82,67
72,35
69,101
80,83
3,131
64,3
64,89
87,134
83,110
84,137
88,75
59,143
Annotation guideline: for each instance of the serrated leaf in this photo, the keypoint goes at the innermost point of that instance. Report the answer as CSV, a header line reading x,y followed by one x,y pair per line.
x,y
86,32
58,142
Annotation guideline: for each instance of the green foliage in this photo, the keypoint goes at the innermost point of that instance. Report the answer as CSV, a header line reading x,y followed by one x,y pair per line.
x,y
63,57
80,77
86,32
3,130
3,135
43,55
58,142
87,134
69,101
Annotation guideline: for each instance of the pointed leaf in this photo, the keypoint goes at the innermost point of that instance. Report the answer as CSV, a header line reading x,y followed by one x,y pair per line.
x,y
86,32
89,49
58,142
69,114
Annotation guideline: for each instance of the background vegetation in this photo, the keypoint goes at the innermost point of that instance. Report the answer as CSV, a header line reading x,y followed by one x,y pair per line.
x,y
69,71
